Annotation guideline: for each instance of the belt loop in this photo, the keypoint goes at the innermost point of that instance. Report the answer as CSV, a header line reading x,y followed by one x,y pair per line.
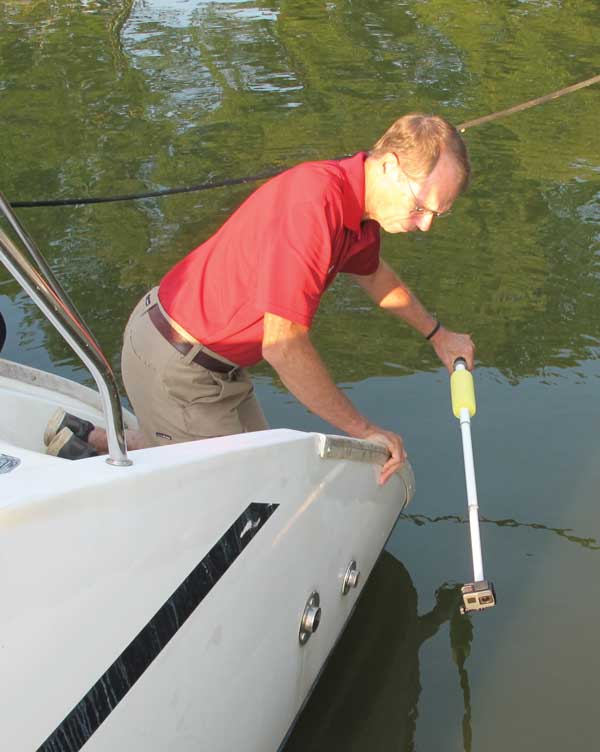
x,y
191,354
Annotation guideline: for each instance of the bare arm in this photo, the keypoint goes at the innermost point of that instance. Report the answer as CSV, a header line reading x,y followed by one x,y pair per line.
x,y
287,347
390,293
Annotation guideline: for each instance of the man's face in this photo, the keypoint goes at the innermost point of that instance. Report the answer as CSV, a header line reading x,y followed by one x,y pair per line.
x,y
401,204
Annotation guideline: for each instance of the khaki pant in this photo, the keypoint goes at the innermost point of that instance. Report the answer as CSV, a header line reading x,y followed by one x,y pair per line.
x,y
176,399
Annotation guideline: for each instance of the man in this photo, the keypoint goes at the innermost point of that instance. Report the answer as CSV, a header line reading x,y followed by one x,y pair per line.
x,y
252,289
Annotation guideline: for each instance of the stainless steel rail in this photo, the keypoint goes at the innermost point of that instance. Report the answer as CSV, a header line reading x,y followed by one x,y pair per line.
x,y
46,292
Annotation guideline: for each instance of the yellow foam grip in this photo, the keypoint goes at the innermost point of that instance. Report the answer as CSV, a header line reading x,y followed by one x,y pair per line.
x,y
463,392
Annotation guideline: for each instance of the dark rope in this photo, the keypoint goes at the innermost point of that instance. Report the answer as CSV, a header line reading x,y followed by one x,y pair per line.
x,y
263,176
147,194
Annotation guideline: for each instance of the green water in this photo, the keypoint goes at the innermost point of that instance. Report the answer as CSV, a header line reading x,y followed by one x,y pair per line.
x,y
103,97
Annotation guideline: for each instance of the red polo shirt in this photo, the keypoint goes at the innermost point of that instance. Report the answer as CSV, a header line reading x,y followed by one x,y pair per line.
x,y
277,253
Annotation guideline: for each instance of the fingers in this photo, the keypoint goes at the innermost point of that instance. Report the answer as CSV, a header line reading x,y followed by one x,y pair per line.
x,y
469,352
397,458
451,346
389,469
395,446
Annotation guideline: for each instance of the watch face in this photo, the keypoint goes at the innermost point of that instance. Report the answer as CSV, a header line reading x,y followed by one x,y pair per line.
x,y
8,463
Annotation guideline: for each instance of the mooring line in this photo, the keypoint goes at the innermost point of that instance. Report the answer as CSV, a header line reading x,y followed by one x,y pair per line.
x,y
263,176
526,105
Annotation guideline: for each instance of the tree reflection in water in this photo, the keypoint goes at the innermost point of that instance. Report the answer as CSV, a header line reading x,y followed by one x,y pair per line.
x,y
368,696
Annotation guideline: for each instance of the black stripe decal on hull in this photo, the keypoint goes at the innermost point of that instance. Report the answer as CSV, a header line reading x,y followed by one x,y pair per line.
x,y
87,716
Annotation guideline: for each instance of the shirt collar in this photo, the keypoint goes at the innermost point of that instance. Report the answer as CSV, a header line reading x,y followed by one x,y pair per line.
x,y
353,201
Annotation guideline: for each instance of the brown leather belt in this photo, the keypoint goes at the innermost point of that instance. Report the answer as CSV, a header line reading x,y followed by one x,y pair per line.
x,y
182,345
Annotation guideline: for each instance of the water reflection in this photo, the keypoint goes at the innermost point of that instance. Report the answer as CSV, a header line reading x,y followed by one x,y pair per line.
x,y
137,96
566,533
368,696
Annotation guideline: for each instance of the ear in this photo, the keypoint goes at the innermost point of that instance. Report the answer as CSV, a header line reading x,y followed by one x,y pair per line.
x,y
390,165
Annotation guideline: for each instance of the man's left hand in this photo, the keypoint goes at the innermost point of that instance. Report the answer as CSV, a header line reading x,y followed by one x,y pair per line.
x,y
451,345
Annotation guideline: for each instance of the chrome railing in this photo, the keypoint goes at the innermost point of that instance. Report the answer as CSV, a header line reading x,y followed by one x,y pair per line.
x,y
46,292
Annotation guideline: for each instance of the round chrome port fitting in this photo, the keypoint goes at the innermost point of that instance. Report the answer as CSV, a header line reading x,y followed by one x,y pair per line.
x,y
311,618
350,578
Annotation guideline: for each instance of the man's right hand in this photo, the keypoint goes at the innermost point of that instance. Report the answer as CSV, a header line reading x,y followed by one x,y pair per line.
x,y
287,347
393,442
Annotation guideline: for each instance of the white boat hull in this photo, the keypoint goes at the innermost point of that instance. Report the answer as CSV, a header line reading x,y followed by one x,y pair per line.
x,y
158,606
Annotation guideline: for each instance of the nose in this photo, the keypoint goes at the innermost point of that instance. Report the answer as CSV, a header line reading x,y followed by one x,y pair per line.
x,y
424,221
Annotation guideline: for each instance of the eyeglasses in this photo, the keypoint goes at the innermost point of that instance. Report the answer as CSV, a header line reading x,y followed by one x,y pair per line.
x,y
420,211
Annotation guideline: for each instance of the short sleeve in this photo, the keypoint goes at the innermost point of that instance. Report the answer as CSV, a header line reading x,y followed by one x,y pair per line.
x,y
295,261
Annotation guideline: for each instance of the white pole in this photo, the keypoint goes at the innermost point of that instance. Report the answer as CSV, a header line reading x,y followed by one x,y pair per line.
x,y
465,428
